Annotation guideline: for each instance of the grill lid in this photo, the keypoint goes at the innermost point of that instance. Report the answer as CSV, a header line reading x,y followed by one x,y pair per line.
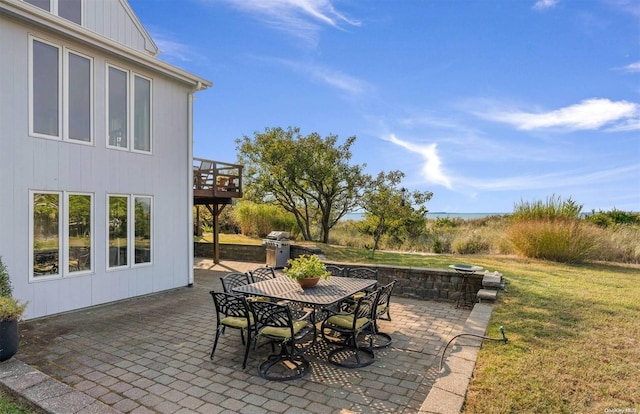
x,y
278,235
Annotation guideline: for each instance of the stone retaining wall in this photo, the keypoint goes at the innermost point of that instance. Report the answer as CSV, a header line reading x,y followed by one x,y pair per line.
x,y
413,282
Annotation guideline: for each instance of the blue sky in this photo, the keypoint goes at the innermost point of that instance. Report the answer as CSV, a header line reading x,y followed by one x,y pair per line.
x,y
485,103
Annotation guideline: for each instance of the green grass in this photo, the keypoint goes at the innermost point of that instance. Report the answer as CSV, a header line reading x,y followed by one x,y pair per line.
x,y
8,405
574,337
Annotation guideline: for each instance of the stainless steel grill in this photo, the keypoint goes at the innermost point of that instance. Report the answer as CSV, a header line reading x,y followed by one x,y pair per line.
x,y
278,248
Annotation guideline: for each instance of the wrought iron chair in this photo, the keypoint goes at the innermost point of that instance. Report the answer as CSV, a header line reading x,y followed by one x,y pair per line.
x,y
294,335
234,279
335,270
349,325
381,308
359,273
262,273
232,311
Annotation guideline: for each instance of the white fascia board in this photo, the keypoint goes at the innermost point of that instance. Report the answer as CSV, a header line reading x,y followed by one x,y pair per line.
x,y
41,18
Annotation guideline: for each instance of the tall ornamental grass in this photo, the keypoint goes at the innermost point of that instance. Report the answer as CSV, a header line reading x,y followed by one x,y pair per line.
x,y
261,219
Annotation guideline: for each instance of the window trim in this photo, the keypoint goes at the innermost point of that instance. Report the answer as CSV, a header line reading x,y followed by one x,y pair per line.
x,y
32,100
65,107
131,232
67,244
63,235
131,76
132,106
63,93
54,9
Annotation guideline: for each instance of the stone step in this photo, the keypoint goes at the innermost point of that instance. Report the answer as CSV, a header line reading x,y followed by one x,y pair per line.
x,y
493,280
487,295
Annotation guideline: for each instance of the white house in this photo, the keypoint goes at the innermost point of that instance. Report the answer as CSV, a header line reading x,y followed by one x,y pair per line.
x,y
95,156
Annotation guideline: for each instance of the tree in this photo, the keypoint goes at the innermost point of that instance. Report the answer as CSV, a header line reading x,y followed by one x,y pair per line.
x,y
389,209
307,175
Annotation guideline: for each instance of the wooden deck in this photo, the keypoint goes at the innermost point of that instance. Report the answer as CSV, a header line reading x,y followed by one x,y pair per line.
x,y
216,182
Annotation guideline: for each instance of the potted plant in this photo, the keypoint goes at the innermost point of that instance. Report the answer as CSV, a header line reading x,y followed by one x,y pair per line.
x,y
10,312
307,270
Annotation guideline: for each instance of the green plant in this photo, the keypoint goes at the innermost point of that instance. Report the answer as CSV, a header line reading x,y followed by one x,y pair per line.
x,y
306,266
5,283
10,308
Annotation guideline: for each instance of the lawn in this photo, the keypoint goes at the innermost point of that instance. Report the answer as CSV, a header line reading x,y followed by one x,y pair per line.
x,y
574,335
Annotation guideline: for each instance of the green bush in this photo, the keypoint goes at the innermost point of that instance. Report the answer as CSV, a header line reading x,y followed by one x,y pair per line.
x,y
568,240
613,217
6,290
470,243
260,219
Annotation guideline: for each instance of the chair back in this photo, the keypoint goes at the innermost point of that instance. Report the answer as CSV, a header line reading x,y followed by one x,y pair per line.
x,y
335,270
228,304
365,307
272,314
262,273
383,299
363,273
234,279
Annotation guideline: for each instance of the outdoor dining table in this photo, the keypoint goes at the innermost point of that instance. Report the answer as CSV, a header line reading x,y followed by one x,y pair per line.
x,y
325,294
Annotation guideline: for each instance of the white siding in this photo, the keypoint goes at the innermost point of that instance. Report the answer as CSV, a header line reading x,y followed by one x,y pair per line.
x,y
28,163
114,19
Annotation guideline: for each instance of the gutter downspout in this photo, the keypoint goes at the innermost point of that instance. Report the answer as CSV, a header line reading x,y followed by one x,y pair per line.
x,y
190,184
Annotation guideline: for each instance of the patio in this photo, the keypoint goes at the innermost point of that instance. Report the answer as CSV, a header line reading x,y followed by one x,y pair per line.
x,y
151,355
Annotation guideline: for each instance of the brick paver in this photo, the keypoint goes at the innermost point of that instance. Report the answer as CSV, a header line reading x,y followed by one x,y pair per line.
x,y
151,354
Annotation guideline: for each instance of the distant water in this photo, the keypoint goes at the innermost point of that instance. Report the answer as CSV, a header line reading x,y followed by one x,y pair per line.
x,y
434,215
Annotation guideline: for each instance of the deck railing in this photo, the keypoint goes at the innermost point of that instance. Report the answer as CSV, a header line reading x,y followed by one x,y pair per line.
x,y
217,179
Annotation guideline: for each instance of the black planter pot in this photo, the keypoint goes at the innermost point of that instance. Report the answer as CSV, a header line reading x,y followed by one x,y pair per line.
x,y
8,339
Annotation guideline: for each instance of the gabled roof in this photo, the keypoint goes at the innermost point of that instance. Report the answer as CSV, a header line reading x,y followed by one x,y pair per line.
x,y
150,45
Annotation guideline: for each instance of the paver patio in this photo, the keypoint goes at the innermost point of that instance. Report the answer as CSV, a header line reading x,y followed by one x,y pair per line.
x,y
151,355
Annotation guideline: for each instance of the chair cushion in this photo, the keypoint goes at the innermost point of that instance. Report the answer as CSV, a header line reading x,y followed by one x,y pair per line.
x,y
344,320
358,295
236,321
284,332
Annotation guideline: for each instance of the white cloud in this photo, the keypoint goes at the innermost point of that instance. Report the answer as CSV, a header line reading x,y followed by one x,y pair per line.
x,y
300,18
350,85
172,50
432,168
545,4
589,114
552,180
633,67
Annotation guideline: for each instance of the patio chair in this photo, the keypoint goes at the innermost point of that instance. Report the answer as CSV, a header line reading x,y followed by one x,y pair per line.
x,y
262,273
234,279
348,326
358,273
335,270
381,308
294,335
232,311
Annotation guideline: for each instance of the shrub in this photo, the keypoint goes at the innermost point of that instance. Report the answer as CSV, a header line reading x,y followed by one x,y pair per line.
x,y
553,208
470,243
260,219
6,289
613,217
568,240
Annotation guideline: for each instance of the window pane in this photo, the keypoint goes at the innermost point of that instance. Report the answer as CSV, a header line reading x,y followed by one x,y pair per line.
x,y
43,4
118,108
143,229
142,114
79,98
70,10
46,234
45,89
118,231
79,232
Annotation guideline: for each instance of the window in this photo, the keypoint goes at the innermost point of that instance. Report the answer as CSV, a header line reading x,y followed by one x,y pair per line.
x,y
61,234
60,87
69,9
79,97
130,229
129,110
45,89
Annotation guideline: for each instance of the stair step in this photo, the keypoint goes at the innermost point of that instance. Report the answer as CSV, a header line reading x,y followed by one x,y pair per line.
x,y
487,295
492,280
